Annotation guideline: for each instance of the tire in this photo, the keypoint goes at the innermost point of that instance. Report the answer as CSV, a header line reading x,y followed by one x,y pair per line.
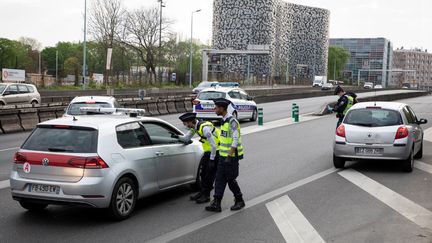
x,y
123,199
2,103
34,207
407,164
338,162
254,115
419,154
196,186
34,102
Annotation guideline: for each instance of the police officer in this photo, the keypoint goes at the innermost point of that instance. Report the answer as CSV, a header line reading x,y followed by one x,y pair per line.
x,y
230,151
209,138
344,103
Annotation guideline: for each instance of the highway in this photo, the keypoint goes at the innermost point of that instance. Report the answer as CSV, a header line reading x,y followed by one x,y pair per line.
x,y
289,183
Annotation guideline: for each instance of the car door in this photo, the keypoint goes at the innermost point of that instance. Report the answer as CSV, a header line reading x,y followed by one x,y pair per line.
x,y
176,161
23,94
11,94
249,105
238,103
417,130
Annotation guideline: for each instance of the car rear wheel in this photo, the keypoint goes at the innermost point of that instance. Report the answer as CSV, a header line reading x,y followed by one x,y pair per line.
x,y
31,206
254,115
407,165
123,199
419,154
338,162
34,102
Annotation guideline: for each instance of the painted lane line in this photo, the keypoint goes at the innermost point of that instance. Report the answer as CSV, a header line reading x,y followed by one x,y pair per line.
x,y
409,209
8,149
423,166
4,184
227,213
428,134
291,222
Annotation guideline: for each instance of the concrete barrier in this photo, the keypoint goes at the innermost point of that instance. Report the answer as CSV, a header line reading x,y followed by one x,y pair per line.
x,y
188,105
28,118
162,107
130,104
59,111
171,106
47,113
153,108
10,121
142,105
180,106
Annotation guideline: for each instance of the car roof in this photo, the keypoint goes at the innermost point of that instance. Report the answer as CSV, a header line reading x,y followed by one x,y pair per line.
x,y
222,89
384,105
95,98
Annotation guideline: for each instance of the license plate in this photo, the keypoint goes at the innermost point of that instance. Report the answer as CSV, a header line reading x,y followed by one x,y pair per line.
x,y
369,151
44,189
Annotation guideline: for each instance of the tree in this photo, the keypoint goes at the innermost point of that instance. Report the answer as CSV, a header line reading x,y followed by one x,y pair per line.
x,y
337,60
14,54
34,44
72,66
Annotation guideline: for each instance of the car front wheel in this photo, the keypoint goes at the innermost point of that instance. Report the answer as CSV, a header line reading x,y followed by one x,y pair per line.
x,y
338,162
123,199
254,115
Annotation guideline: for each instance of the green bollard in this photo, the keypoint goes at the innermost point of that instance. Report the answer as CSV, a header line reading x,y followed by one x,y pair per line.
x,y
296,113
260,117
292,110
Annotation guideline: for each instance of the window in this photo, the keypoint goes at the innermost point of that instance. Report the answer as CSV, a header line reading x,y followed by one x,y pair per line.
x,y
412,114
211,95
160,133
2,88
132,135
30,88
243,95
64,139
410,117
373,117
23,89
12,89
235,94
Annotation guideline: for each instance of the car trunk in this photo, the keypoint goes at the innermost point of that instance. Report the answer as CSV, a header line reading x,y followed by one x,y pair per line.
x,y
370,135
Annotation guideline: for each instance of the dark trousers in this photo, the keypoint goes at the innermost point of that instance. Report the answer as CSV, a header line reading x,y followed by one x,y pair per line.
x,y
340,119
208,172
227,172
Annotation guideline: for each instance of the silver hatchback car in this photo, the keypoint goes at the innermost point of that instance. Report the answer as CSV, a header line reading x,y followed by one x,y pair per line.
x,y
379,131
105,161
18,93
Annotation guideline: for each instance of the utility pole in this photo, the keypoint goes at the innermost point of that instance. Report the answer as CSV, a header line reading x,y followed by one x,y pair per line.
x,y
160,39
57,66
39,63
334,69
191,51
84,45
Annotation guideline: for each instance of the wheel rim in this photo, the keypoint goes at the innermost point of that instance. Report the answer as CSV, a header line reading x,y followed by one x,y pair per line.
x,y
125,198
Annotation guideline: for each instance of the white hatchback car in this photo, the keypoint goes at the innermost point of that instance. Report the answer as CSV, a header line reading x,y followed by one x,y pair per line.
x,y
74,107
243,105
104,161
379,131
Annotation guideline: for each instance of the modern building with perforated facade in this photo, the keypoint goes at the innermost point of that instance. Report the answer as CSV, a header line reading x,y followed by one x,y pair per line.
x,y
296,37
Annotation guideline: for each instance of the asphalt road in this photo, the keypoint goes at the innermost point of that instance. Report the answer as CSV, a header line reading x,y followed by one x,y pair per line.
x,y
289,163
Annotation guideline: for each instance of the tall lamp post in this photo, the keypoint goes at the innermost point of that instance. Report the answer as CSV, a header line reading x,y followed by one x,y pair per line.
x,y
84,44
162,5
191,51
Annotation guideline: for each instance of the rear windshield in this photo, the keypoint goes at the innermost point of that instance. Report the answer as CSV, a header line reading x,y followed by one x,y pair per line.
x,y
69,140
206,84
211,95
74,109
373,117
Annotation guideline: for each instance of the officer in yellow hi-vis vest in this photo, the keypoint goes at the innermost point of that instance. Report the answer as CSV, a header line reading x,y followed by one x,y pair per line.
x,y
344,103
210,142
230,151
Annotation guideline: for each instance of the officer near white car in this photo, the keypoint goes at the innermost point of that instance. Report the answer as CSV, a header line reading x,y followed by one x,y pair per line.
x,y
230,151
344,103
209,138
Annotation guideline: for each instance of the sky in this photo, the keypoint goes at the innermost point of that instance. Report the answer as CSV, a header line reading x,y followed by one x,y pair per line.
x,y
405,23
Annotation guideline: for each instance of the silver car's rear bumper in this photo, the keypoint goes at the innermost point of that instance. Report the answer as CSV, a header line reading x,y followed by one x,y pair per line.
x,y
92,191
390,151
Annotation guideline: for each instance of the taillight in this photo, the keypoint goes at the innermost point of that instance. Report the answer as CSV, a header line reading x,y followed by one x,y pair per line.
x,y
88,163
19,158
402,132
340,131
196,102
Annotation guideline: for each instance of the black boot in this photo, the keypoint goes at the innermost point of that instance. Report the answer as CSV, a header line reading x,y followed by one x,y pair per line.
x,y
204,198
239,204
215,206
195,197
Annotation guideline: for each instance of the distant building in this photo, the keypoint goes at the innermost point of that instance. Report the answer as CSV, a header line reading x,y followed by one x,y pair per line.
x,y
416,59
371,59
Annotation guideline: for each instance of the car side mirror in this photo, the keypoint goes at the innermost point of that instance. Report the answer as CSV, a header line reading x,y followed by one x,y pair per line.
x,y
422,121
249,98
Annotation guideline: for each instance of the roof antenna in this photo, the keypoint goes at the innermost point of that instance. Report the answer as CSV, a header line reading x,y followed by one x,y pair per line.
x,y
74,119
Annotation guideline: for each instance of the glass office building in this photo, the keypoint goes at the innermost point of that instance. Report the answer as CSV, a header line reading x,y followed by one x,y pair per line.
x,y
371,59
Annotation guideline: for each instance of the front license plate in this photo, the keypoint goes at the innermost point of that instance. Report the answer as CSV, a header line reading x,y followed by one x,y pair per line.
x,y
44,189
369,151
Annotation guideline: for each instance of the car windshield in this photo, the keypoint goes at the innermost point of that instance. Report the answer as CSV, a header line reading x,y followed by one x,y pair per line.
x,y
74,108
373,117
2,88
211,95
62,139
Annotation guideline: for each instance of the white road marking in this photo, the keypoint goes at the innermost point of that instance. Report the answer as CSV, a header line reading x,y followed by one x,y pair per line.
x,y
226,213
423,166
428,134
4,184
291,222
8,149
409,209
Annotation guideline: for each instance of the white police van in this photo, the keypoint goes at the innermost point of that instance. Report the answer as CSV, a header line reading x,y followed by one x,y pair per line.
x,y
243,105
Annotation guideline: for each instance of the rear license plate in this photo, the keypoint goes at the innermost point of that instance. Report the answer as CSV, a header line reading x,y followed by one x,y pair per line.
x,y
44,189
369,151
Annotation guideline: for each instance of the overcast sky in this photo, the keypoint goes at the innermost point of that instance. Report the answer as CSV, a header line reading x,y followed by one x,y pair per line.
x,y
405,23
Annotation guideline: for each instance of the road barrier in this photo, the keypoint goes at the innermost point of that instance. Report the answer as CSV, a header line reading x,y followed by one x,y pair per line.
x,y
171,106
162,107
260,117
180,106
153,108
10,121
46,113
28,118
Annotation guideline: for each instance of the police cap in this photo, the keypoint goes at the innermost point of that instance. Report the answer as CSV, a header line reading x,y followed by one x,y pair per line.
x,y
190,116
338,89
222,102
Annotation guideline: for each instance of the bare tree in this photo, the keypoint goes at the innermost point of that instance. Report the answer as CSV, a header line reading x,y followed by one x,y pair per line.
x,y
34,44
141,33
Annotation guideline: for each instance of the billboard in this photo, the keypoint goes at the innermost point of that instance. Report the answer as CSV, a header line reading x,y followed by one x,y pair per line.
x,y
13,75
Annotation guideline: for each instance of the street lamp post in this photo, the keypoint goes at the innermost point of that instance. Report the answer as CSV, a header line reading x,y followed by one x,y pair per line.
x,y
191,51
160,39
84,44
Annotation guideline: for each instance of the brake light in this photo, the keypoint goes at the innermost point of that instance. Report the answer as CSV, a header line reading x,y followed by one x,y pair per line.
x,y
402,132
340,131
91,102
196,102
88,163
373,107
61,126
19,158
